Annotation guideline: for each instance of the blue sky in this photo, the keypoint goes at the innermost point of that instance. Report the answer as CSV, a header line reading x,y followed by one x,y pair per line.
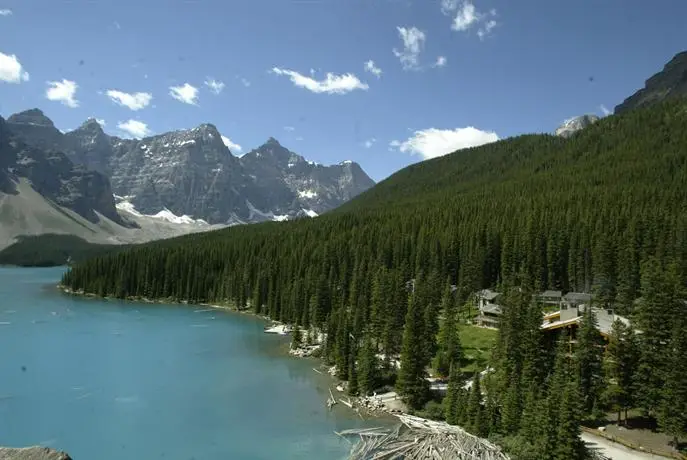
x,y
453,73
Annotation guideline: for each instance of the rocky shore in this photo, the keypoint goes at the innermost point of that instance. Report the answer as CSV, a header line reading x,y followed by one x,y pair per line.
x,y
32,453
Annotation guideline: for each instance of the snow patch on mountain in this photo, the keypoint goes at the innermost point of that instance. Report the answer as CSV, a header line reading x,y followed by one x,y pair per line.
x,y
256,214
307,193
123,204
575,124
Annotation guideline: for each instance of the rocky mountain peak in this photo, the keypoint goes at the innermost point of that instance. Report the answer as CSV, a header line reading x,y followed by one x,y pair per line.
x,y
668,83
572,125
33,117
91,124
191,172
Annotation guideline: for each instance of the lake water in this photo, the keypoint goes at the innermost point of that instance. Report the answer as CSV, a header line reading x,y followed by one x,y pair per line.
x,y
109,380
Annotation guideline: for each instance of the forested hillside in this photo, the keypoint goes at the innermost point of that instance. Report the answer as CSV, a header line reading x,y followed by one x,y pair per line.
x,y
594,212
51,250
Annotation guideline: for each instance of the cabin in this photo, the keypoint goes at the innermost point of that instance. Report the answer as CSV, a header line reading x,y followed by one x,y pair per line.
x,y
489,310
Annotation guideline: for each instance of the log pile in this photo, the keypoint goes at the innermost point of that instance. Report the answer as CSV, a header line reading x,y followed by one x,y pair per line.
x,y
416,438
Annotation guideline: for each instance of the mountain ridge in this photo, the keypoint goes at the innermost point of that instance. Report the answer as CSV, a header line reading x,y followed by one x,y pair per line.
x,y
670,82
191,172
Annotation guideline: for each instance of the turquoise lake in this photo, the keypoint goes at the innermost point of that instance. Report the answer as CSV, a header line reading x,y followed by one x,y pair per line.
x,y
107,380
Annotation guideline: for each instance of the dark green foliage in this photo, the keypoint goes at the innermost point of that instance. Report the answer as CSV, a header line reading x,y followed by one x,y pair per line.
x,y
368,367
52,250
620,361
411,382
475,416
449,353
672,416
588,353
569,446
656,310
454,403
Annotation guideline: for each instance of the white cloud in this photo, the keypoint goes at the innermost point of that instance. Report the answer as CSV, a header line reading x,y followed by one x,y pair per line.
x,y
63,92
604,110
5,12
331,84
448,6
100,121
486,29
433,142
187,94
134,128
289,128
466,16
299,138
369,143
245,82
215,86
134,101
413,43
373,69
11,70
441,61
230,145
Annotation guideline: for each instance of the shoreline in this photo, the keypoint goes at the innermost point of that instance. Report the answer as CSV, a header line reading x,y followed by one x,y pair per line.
x,y
374,407
365,407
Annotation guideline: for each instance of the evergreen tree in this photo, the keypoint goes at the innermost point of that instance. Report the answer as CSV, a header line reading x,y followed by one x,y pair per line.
x,y
620,360
588,354
653,313
368,366
452,402
474,412
512,407
569,445
411,382
672,416
449,351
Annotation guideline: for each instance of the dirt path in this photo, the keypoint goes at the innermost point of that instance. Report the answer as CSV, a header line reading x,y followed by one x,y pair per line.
x,y
615,451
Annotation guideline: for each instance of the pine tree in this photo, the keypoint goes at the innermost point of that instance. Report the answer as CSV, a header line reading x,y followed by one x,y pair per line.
x,y
449,351
452,402
411,382
652,314
368,366
569,445
588,354
353,370
512,407
620,359
672,416
474,412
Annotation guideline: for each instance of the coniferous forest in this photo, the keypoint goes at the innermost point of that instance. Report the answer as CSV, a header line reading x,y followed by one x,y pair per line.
x,y
386,275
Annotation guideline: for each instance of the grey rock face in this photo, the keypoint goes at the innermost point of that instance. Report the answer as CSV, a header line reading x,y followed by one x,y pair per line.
x,y
34,125
191,172
570,127
32,453
296,186
670,82
53,175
